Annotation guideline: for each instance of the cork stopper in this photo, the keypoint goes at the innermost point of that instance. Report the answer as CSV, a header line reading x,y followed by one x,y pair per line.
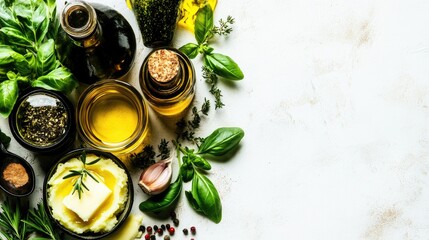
x,y
163,65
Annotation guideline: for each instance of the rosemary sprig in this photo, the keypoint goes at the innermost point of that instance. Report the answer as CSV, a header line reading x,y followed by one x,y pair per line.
x,y
39,221
11,226
81,174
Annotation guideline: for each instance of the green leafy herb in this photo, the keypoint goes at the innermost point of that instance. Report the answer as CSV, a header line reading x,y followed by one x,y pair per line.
x,y
215,64
164,200
4,139
27,50
221,141
223,66
81,174
164,150
185,129
11,225
40,222
205,197
145,158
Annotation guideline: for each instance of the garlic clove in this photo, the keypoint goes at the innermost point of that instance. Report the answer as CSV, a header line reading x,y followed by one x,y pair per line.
x,y
156,178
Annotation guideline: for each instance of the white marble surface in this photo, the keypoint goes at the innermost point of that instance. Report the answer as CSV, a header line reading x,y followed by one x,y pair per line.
x,y
335,108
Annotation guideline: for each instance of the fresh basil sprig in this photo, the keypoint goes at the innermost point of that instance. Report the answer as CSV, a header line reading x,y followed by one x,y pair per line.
x,y
27,50
203,197
216,63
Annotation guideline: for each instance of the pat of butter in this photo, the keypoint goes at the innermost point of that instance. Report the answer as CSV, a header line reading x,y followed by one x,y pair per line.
x,y
90,201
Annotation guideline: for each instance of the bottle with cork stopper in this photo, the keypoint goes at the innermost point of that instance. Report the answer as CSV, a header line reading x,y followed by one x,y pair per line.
x,y
167,80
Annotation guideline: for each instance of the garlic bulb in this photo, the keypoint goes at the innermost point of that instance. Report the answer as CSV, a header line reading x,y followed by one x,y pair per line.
x,y
156,178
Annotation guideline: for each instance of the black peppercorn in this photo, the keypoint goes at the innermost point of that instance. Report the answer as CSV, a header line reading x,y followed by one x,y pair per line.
x,y
185,231
163,227
142,228
155,228
176,221
152,237
173,215
167,225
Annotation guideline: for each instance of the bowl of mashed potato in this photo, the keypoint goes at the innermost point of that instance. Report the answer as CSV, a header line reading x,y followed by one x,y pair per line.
x,y
89,193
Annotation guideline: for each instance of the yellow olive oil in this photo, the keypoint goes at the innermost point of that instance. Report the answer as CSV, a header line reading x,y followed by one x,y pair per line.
x,y
112,117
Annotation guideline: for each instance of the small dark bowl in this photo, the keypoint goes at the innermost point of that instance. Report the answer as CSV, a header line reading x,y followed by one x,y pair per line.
x,y
7,158
121,217
60,144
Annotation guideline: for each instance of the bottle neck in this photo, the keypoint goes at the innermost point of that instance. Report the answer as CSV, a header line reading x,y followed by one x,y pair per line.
x,y
79,21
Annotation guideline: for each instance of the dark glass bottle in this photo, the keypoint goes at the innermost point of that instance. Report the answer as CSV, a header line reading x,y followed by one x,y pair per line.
x,y
95,42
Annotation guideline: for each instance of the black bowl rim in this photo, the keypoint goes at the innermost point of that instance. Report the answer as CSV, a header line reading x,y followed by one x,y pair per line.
x,y
128,204
65,139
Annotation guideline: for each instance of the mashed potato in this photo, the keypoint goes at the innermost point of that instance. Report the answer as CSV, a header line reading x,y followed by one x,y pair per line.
x,y
105,218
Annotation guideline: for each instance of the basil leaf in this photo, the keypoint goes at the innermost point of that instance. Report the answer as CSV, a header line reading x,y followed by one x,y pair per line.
x,y
193,202
203,23
164,200
40,22
7,19
8,96
4,139
202,163
15,36
46,57
223,66
206,197
190,50
6,55
221,141
59,79
187,171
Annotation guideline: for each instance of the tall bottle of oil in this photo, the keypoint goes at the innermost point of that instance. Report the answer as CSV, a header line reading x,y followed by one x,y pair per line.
x,y
95,41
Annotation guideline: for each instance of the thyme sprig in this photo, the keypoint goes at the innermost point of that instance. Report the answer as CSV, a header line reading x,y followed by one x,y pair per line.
x,y
81,174
146,158
224,27
185,129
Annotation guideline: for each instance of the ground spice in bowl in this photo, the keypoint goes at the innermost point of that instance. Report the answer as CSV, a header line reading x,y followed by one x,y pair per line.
x,y
15,174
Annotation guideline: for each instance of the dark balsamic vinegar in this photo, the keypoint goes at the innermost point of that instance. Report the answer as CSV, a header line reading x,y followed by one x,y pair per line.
x,y
110,55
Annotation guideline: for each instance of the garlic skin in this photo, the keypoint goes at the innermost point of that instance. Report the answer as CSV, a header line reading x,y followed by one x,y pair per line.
x,y
156,178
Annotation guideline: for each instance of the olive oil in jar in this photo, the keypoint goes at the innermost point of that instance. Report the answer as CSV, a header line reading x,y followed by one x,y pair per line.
x,y
167,80
112,117
95,42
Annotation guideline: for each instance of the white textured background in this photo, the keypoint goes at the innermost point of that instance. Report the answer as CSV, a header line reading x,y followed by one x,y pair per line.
x,y
335,108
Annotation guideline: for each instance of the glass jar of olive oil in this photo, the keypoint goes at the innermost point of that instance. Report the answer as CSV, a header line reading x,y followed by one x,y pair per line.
x,y
112,117
167,80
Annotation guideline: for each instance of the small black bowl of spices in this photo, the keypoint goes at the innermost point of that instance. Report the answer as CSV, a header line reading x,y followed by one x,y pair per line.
x,y
42,121
17,177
